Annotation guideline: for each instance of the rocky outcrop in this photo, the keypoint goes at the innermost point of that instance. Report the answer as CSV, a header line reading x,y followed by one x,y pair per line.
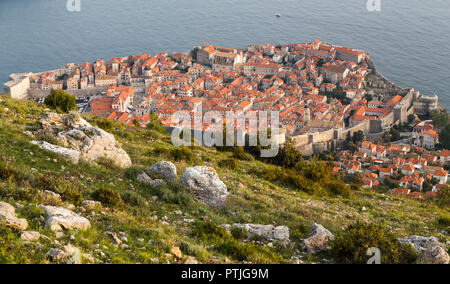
x,y
144,178
78,135
268,233
59,218
429,248
205,184
68,154
8,217
165,170
318,239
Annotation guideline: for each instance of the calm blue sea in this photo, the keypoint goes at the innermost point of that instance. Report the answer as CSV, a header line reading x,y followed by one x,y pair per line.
x,y
409,40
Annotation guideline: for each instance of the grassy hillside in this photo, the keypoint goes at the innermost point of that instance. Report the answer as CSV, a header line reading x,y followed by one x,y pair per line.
x,y
155,220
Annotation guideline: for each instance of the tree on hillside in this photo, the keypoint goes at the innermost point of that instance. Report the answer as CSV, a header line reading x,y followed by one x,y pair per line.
x,y
444,137
288,156
443,197
358,136
440,119
60,101
154,124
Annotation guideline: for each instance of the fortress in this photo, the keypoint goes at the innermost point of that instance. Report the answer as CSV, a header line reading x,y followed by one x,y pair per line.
x,y
318,136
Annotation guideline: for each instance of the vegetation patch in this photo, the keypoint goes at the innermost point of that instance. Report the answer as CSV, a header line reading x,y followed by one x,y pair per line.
x,y
107,196
350,246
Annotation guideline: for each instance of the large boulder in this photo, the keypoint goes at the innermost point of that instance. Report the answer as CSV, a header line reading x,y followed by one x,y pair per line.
x,y
59,218
75,133
429,248
8,217
166,170
68,154
205,184
268,233
318,239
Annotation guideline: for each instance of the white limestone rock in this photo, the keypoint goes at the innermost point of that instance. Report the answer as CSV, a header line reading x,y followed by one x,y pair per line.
x,y
166,170
432,251
8,217
68,154
144,178
268,233
59,218
318,239
30,236
205,184
92,143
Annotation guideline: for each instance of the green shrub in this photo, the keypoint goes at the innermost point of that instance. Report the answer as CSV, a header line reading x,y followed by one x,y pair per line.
x,y
183,153
174,193
66,189
11,252
6,173
132,172
208,231
230,164
155,125
105,124
239,154
195,250
337,187
288,156
224,243
350,247
443,197
107,196
60,101
69,193
133,199
444,221
239,233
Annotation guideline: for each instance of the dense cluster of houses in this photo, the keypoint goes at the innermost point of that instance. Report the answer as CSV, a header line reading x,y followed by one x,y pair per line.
x,y
292,79
417,171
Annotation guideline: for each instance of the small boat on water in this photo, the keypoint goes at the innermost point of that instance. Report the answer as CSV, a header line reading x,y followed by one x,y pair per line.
x,y
278,15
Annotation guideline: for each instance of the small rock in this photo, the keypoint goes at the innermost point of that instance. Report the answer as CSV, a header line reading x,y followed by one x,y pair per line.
x,y
113,237
144,178
191,260
90,204
175,251
73,254
30,236
8,217
59,235
55,255
51,195
123,237
318,239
